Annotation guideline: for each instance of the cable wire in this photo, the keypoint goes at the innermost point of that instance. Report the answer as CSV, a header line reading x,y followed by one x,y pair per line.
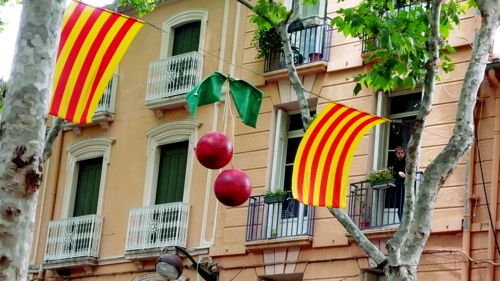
x,y
484,189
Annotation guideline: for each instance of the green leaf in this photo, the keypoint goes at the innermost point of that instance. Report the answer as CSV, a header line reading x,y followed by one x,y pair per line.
x,y
357,88
397,41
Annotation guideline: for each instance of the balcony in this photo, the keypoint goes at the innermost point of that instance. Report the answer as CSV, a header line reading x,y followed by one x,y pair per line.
x,y
105,104
105,109
170,78
310,46
103,114
376,206
72,240
152,228
276,221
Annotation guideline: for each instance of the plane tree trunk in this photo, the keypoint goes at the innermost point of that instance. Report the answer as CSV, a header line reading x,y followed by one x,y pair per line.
x,y
22,131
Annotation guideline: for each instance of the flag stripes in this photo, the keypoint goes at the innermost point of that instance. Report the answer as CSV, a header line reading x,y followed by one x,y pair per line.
x,y
93,41
323,159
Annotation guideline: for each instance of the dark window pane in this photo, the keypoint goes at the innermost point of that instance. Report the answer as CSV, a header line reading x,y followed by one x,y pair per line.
x,y
405,103
295,122
186,38
291,149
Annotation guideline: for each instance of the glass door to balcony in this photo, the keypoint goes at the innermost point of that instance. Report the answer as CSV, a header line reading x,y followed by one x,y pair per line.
x,y
170,189
79,232
287,218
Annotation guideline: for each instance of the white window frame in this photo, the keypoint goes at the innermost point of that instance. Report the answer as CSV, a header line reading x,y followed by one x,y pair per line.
x,y
281,137
172,132
381,146
79,151
382,133
179,19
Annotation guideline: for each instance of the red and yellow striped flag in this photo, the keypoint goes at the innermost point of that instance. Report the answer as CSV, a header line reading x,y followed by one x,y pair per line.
x,y
93,41
323,159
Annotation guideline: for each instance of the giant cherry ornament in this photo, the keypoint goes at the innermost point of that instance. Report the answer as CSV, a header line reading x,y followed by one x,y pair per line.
x,y
214,150
232,187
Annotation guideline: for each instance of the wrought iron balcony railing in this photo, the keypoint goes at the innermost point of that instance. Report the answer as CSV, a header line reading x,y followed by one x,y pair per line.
x,y
157,226
73,238
173,76
309,45
286,218
376,206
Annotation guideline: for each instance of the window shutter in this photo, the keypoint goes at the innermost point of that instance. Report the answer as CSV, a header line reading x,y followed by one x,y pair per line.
x,y
186,38
172,172
87,188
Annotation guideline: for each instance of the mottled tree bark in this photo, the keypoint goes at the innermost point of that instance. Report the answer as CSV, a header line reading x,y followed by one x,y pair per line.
x,y
22,131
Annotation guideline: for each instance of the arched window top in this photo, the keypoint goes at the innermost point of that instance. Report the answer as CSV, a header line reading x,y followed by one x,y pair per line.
x,y
166,134
185,17
90,148
173,131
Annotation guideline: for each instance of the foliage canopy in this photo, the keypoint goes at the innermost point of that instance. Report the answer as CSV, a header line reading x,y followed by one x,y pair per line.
x,y
396,35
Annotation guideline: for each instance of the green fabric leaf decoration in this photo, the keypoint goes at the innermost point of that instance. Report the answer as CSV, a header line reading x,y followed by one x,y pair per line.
x,y
206,92
247,99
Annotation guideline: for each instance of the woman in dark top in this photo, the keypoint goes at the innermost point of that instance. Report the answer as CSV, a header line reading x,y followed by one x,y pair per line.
x,y
395,196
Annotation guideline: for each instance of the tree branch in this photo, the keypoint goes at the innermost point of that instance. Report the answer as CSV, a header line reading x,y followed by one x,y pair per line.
x,y
363,242
413,150
293,11
263,16
443,165
51,136
292,74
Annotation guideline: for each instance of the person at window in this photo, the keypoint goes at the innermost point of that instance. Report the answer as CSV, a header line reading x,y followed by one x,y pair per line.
x,y
398,172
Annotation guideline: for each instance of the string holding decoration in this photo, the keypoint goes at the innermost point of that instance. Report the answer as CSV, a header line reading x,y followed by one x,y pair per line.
x,y
214,149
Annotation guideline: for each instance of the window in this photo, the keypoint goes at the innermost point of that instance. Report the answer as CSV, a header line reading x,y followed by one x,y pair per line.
x,y
87,167
401,109
170,157
168,175
318,9
289,132
171,172
87,187
289,217
189,28
496,44
186,38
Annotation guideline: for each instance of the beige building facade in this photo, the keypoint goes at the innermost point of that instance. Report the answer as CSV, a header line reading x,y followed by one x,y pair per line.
x,y
120,192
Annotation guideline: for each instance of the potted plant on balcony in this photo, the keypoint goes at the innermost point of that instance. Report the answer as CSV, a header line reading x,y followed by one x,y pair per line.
x,y
381,178
276,196
268,45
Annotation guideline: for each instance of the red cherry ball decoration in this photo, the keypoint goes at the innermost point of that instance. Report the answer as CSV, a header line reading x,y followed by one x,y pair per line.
x,y
232,187
214,150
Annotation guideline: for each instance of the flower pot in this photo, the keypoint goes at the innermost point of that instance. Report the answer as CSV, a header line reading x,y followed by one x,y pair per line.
x,y
382,184
275,199
364,224
315,57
